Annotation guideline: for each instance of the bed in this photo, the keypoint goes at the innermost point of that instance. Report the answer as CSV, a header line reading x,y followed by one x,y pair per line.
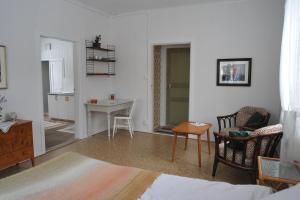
x,y
74,176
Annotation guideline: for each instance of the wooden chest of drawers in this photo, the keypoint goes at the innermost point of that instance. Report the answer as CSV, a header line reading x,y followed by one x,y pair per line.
x,y
16,145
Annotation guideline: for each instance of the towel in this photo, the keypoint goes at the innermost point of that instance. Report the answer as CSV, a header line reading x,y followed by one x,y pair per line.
x,y
5,126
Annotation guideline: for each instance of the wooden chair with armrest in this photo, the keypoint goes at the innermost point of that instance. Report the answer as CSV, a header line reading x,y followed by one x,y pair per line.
x,y
238,120
262,142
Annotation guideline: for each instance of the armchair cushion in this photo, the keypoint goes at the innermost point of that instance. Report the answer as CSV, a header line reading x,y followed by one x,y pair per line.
x,y
239,133
245,113
235,144
277,128
256,118
227,130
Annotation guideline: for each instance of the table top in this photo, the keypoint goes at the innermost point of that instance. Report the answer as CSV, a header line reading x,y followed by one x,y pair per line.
x,y
271,169
106,102
188,127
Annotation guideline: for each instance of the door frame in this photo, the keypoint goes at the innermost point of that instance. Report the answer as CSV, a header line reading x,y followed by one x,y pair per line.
x,y
167,79
76,49
150,77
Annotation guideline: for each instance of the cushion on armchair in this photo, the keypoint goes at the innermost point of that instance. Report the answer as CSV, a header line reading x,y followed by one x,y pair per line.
x,y
245,113
227,130
239,133
235,144
277,128
255,119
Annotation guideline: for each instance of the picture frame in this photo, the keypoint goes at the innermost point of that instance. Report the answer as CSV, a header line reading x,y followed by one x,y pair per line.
x,y
3,67
234,72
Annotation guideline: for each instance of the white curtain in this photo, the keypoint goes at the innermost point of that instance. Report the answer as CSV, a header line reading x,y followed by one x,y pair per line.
x,y
290,82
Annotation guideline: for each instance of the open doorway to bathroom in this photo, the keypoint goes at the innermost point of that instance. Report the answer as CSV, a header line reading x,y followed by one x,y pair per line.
x,y
57,64
171,86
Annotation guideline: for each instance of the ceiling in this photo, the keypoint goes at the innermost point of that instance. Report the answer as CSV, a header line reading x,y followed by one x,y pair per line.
x,y
115,7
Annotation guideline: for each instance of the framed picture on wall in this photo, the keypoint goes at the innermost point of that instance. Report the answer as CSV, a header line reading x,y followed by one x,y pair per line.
x,y
3,68
234,72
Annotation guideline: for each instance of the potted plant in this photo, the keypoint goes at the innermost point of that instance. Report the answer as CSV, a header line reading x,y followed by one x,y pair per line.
x,y
97,41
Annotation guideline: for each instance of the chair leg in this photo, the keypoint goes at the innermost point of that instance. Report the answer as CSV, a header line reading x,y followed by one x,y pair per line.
x,y
115,126
186,141
215,167
32,161
131,122
130,128
253,177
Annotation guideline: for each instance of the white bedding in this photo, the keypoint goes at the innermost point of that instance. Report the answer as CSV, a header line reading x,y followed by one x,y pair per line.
x,y
182,188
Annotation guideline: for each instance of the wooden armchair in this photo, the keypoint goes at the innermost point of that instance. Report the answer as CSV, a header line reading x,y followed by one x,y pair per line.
x,y
262,142
238,120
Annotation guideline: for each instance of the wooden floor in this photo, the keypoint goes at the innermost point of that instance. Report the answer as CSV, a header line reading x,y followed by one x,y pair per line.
x,y
147,151
55,139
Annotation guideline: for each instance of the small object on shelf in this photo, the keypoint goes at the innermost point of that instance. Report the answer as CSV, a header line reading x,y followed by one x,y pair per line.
x,y
97,41
100,74
93,101
11,116
112,97
100,60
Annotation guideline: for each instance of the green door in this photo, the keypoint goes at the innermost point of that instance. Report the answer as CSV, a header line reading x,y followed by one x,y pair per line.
x,y
178,79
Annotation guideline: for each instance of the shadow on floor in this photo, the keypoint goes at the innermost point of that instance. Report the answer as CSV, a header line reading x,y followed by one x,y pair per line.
x,y
59,136
147,151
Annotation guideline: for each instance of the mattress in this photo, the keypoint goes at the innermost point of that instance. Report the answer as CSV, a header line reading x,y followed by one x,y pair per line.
x,y
179,188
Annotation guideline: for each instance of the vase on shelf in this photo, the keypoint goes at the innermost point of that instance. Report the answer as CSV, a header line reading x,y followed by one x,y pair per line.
x,y
97,41
97,45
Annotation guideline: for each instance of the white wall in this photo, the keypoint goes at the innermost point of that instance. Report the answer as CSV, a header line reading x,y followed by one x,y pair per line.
x,y
129,34
22,23
220,30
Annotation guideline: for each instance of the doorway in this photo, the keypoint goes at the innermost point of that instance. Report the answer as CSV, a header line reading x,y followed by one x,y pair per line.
x,y
57,64
171,86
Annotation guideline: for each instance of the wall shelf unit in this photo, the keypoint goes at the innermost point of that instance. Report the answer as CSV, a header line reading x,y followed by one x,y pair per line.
x,y
99,60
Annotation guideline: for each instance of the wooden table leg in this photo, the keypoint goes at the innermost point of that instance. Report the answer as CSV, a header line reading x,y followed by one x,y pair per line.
x,y
174,146
199,149
87,121
208,140
108,125
186,141
32,162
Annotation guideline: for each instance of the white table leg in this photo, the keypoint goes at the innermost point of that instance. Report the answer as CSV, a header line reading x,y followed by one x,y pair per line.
x,y
108,124
87,121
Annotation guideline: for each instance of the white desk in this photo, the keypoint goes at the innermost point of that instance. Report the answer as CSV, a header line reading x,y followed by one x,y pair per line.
x,y
106,106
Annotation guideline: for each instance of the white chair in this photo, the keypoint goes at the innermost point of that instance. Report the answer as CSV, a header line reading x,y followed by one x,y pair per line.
x,y
124,121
